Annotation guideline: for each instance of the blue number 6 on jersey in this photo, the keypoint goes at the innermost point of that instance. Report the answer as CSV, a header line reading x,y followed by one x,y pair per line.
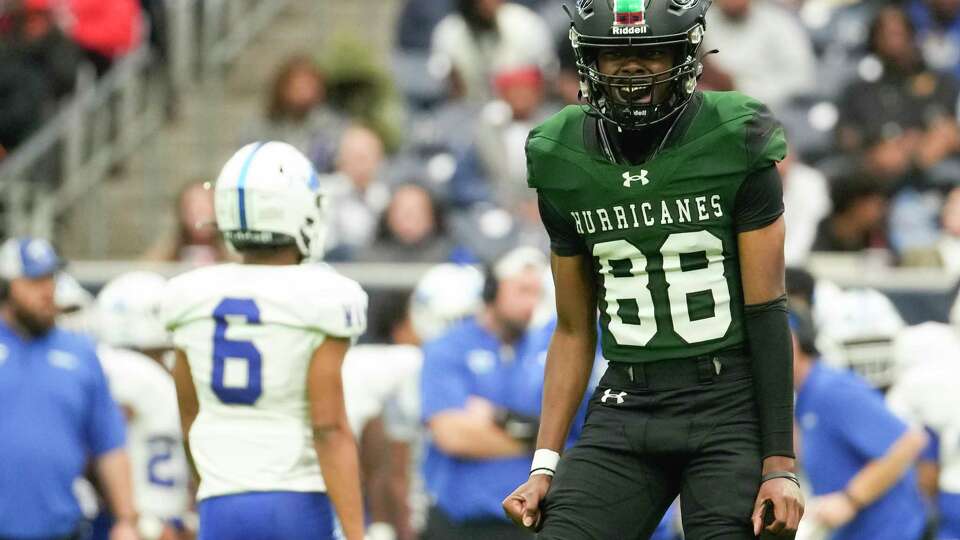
x,y
224,348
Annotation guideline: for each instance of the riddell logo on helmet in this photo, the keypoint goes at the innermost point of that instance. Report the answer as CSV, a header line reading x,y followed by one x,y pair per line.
x,y
629,30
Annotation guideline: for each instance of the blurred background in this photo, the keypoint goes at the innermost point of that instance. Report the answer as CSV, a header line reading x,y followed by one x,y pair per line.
x,y
114,113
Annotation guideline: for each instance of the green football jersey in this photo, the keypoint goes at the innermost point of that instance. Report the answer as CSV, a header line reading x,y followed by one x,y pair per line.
x,y
663,234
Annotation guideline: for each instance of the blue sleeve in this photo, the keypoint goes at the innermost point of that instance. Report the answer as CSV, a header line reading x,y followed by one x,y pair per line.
x,y
862,418
106,429
932,451
444,380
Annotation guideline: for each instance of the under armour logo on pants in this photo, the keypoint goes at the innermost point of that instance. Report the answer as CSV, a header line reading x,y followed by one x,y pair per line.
x,y
608,394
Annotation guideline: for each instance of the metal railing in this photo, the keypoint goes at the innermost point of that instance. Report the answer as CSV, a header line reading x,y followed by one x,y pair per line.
x,y
109,118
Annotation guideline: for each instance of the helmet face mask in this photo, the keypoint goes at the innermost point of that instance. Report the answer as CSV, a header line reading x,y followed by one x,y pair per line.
x,y
631,101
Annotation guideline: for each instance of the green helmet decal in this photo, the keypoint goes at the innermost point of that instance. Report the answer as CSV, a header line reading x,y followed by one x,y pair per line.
x,y
629,13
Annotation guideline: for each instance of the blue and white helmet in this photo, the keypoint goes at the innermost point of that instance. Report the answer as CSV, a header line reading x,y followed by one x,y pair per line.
x,y
268,194
856,330
444,295
128,312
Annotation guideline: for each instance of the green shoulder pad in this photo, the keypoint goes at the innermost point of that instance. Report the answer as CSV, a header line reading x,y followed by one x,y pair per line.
x,y
555,151
763,135
766,140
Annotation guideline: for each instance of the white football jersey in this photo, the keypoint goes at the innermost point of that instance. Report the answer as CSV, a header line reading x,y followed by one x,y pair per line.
x,y
249,333
154,443
926,394
375,376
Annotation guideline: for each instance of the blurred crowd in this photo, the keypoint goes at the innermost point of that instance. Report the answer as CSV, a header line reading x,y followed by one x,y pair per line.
x,y
43,44
423,152
424,157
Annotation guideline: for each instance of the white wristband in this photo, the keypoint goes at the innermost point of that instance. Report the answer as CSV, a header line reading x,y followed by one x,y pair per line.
x,y
544,462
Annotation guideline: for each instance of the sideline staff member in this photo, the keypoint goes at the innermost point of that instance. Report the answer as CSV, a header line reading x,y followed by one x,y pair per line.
x,y
858,455
56,409
480,388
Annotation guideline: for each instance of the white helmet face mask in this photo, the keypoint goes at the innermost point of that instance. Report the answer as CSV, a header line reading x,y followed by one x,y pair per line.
x,y
268,194
128,312
444,295
857,331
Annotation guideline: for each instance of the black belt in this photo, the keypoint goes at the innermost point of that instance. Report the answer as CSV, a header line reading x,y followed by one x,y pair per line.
x,y
680,372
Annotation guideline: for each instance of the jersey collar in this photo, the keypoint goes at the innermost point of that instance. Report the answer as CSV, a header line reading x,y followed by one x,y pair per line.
x,y
596,140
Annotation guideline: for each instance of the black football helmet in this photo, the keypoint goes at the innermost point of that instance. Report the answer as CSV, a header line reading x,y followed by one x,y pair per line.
x,y
675,25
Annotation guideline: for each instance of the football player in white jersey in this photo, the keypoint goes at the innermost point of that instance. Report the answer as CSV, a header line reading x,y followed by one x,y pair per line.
x,y
133,344
259,349
381,386
926,394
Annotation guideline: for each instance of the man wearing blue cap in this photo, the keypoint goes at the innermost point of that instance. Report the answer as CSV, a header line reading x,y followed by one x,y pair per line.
x,y
55,409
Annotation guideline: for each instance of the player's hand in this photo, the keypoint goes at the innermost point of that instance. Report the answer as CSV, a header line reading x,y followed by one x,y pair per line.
x,y
835,510
786,504
124,530
523,505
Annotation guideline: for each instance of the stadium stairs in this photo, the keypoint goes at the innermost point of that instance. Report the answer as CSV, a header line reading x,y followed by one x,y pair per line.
x,y
135,206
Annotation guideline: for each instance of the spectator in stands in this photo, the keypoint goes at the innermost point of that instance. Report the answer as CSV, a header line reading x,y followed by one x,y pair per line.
x,y
194,239
417,20
948,247
806,201
859,213
357,192
296,112
485,36
938,29
155,14
858,456
24,99
36,37
411,229
568,77
495,169
763,48
900,115
105,30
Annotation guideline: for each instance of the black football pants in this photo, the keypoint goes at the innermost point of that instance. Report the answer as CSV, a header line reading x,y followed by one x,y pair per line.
x,y
440,527
653,432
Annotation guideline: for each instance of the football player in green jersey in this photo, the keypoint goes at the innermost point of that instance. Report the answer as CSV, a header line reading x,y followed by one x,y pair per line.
x,y
664,209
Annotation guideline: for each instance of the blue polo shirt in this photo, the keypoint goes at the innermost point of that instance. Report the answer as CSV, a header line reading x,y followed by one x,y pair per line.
x,y
845,424
55,413
470,361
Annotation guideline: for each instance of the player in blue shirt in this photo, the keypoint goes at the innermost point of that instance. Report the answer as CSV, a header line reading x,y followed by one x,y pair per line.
x,y
57,409
858,455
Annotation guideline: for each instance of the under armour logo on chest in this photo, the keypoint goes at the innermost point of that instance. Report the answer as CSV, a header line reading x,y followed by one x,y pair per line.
x,y
629,179
608,394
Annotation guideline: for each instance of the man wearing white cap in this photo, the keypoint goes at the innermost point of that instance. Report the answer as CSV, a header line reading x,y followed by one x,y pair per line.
x,y
57,409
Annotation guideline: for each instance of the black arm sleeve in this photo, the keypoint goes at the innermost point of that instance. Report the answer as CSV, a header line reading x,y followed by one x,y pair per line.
x,y
759,200
771,353
564,239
